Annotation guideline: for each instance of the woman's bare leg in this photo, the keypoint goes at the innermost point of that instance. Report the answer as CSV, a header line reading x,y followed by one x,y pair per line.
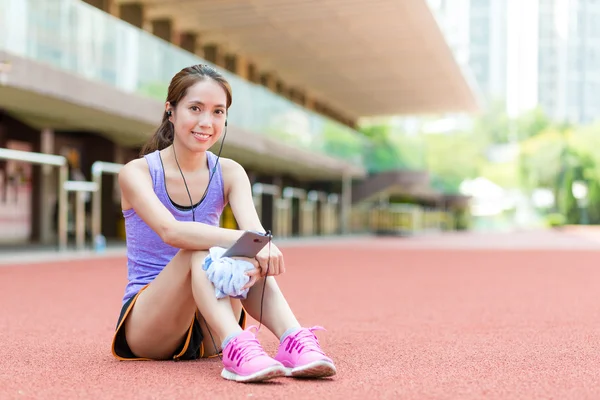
x,y
162,314
277,315
213,345
306,360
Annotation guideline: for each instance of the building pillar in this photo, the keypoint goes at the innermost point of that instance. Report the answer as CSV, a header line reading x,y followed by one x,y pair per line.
x,y
132,13
188,41
279,87
230,62
5,67
241,67
48,189
297,96
309,102
346,202
269,81
253,73
214,54
119,157
104,5
163,28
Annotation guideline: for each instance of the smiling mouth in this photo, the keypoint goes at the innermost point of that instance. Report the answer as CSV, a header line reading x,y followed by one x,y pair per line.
x,y
201,135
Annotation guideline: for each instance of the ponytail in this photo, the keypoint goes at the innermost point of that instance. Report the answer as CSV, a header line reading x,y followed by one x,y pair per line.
x,y
162,138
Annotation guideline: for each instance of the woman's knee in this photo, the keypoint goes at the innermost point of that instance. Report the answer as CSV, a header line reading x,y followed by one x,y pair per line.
x,y
197,258
192,258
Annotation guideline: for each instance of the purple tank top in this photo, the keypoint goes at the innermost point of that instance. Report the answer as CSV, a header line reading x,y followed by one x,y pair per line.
x,y
147,254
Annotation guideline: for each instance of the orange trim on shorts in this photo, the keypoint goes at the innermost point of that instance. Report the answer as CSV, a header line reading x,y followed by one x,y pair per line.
x,y
121,325
243,322
244,318
187,341
185,347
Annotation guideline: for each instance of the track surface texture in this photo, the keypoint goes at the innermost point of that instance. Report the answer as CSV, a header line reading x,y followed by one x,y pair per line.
x,y
464,316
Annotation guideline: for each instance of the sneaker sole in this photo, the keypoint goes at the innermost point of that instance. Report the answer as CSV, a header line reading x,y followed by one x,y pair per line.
x,y
317,369
260,376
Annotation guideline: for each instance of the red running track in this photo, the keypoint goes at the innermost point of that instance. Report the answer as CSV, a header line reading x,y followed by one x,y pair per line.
x,y
406,319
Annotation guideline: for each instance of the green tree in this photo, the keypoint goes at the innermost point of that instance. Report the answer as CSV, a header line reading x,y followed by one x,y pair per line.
x,y
531,123
555,158
493,125
452,158
381,154
341,142
542,159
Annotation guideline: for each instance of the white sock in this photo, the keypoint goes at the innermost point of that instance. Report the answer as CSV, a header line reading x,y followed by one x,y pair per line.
x,y
228,339
288,332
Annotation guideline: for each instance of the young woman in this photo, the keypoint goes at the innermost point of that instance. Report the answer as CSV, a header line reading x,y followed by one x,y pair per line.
x,y
172,199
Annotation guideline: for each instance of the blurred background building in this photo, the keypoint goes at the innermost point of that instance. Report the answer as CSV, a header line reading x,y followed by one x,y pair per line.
x,y
529,52
387,116
86,80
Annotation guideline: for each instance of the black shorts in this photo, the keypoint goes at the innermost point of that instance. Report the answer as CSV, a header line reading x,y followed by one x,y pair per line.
x,y
191,348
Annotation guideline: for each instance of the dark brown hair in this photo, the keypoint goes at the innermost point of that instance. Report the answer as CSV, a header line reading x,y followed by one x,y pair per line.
x,y
184,79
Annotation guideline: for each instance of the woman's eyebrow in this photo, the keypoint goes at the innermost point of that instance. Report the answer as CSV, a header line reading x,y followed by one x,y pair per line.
x,y
202,104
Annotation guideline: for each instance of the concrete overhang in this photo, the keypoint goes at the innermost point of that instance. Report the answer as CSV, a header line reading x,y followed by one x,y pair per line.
x,y
364,58
456,201
395,183
45,97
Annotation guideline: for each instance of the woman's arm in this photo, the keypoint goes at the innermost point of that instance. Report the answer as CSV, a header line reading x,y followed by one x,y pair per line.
x,y
138,193
239,196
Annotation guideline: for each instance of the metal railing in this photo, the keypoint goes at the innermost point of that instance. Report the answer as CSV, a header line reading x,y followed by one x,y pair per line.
x,y
318,201
318,212
288,194
281,210
56,161
98,169
331,215
258,191
80,188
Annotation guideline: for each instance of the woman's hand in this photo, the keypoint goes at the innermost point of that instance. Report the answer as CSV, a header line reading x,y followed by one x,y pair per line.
x,y
254,274
270,256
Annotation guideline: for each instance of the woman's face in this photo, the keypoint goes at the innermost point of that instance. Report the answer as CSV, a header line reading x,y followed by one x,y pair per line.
x,y
199,117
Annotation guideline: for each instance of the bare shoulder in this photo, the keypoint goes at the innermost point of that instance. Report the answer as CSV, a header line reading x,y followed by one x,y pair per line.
x,y
134,167
232,173
229,165
133,177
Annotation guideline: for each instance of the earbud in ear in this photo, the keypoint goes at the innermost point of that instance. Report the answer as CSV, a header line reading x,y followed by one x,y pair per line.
x,y
225,122
169,113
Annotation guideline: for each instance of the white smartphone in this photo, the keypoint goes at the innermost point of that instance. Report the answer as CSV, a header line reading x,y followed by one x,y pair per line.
x,y
248,245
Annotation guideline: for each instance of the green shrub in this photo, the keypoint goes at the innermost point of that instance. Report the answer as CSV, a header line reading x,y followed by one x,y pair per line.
x,y
555,220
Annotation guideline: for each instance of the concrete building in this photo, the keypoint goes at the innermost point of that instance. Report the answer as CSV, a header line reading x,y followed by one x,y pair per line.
x,y
476,31
530,53
569,59
87,80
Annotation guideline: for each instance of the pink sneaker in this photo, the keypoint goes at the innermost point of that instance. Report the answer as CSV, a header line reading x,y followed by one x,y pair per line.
x,y
244,360
301,355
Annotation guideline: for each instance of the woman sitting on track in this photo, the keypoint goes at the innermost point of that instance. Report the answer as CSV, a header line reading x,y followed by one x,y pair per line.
x,y
172,199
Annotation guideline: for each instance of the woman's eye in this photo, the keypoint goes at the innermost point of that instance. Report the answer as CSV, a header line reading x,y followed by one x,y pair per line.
x,y
194,108
220,111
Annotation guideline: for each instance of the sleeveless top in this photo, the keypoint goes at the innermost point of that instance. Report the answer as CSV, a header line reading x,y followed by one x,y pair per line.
x,y
147,254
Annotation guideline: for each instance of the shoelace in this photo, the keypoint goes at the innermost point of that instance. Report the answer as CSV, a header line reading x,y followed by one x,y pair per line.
x,y
245,350
305,339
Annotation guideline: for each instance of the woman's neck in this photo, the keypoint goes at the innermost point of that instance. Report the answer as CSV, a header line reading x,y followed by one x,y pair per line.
x,y
188,161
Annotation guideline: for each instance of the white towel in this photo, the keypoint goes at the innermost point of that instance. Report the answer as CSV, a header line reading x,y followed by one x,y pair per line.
x,y
227,274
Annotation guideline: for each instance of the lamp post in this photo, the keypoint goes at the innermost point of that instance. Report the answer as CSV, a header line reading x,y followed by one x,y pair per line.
x,y
580,192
